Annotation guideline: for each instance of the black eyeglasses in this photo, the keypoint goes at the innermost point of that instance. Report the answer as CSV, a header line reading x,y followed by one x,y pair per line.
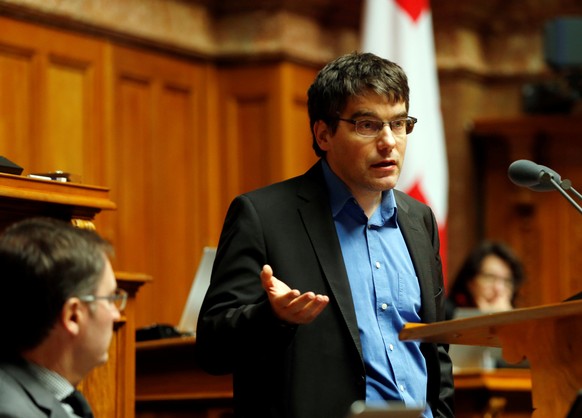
x,y
371,128
490,279
118,299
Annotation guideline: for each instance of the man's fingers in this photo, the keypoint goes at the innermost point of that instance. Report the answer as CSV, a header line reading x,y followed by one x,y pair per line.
x,y
289,304
276,288
313,308
306,307
267,276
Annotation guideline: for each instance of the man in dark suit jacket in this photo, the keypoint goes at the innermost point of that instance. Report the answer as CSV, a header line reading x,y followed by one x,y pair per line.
x,y
354,259
59,305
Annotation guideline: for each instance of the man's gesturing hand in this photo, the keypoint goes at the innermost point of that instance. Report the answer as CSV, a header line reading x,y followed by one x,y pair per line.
x,y
289,304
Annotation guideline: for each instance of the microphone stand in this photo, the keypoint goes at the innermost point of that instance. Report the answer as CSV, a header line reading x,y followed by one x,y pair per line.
x,y
562,187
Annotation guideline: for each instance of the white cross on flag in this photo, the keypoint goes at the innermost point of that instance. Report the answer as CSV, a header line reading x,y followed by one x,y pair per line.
x,y
401,31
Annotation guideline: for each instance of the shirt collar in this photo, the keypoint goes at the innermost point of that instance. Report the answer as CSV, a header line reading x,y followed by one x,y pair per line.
x,y
338,191
52,381
340,196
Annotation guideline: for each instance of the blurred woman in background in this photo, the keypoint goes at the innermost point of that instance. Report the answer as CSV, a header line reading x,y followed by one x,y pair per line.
x,y
488,280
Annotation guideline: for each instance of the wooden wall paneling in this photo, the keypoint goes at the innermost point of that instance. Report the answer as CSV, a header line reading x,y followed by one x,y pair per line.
x,y
546,251
248,112
262,129
512,213
265,133
130,165
52,84
459,94
68,112
542,227
213,162
563,153
297,153
107,221
177,198
159,151
573,250
17,107
508,212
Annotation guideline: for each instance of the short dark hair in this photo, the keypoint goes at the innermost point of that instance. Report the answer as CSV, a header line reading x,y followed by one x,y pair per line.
x,y
348,76
44,262
471,267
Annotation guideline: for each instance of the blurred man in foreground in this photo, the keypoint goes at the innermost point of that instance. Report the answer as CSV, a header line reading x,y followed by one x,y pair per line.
x,y
60,300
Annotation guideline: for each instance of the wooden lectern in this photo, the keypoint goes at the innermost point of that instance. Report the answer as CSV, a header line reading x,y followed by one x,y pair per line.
x,y
549,336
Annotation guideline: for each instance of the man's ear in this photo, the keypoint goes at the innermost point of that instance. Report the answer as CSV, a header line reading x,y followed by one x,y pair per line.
x,y
322,134
72,315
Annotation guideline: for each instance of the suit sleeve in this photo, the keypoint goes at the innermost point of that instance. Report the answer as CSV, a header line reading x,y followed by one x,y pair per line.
x,y
236,320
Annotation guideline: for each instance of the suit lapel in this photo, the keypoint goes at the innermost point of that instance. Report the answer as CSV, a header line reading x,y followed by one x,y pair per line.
x,y
421,254
316,216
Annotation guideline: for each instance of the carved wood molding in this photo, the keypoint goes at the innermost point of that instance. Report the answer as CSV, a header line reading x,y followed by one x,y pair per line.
x,y
489,35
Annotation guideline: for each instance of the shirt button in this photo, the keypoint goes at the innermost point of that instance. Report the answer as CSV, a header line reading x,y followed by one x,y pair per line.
x,y
401,388
384,306
391,347
377,264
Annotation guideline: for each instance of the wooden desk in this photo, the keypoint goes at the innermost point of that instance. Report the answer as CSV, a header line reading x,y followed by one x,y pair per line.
x,y
23,197
493,393
170,383
548,336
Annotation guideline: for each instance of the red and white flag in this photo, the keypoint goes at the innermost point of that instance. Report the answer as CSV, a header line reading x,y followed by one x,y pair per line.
x,y
401,31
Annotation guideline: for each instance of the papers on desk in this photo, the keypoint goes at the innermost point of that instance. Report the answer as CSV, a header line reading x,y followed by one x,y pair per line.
x,y
198,290
471,357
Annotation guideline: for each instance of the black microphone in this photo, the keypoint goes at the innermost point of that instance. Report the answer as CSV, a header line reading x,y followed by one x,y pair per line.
x,y
541,179
533,176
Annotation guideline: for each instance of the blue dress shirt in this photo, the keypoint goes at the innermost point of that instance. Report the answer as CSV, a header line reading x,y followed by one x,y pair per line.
x,y
386,295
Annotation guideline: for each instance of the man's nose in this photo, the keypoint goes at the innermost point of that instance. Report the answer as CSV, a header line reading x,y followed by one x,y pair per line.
x,y
386,137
